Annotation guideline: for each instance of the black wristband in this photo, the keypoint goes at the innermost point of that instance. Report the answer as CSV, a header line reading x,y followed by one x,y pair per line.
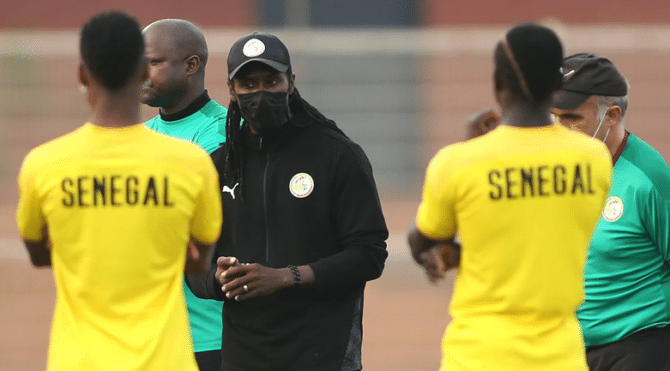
x,y
296,276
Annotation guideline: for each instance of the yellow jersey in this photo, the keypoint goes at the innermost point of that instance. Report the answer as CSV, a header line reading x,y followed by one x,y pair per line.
x,y
524,202
120,205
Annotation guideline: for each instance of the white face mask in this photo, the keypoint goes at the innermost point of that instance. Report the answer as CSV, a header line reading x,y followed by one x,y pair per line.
x,y
600,125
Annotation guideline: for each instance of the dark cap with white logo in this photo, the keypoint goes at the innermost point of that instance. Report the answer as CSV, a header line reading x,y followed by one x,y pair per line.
x,y
258,47
586,74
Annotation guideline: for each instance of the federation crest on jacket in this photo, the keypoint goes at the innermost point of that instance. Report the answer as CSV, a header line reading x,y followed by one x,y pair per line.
x,y
301,185
613,209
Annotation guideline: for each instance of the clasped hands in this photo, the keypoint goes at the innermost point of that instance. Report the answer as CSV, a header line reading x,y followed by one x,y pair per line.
x,y
242,281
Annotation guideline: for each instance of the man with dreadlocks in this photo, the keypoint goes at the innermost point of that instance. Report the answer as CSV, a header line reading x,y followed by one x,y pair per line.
x,y
524,199
303,229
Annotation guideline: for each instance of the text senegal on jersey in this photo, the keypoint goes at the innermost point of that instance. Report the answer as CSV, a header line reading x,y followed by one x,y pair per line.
x,y
115,190
540,181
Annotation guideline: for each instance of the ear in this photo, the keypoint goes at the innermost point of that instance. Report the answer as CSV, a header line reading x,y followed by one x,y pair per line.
x,y
82,75
497,88
192,64
231,91
500,95
613,115
291,83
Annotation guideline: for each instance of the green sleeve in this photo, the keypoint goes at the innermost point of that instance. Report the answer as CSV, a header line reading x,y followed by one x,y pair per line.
x,y
211,136
656,220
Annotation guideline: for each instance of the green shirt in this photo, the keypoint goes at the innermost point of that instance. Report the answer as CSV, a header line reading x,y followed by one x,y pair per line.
x,y
204,128
627,276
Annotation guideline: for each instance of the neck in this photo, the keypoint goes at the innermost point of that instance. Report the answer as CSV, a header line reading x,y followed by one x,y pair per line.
x,y
117,109
615,138
192,94
524,115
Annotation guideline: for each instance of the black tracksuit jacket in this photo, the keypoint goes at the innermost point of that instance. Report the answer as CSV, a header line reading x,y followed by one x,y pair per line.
x,y
338,229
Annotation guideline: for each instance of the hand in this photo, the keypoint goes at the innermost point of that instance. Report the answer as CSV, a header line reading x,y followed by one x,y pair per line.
x,y
481,123
451,254
223,263
431,262
192,252
246,281
198,257
192,258
47,239
439,259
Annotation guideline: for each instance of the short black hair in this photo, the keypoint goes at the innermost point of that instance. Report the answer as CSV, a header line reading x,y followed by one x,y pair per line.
x,y
528,62
112,48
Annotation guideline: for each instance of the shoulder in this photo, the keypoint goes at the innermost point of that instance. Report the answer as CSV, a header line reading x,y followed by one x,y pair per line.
x,y
219,154
451,158
153,122
164,143
643,155
212,108
333,143
584,147
586,143
649,161
329,139
55,149
212,118
189,157
183,147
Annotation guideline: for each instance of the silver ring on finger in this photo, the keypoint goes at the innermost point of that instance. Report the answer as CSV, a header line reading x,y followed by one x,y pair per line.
x,y
246,288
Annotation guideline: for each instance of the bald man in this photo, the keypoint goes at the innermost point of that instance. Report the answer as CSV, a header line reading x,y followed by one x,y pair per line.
x,y
176,52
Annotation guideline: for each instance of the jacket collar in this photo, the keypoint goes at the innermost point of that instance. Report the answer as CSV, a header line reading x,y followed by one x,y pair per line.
x,y
277,138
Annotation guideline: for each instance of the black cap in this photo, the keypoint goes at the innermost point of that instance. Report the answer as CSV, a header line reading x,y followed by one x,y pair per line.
x,y
585,75
259,47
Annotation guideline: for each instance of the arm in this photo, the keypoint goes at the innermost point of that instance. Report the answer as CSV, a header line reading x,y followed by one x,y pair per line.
x,y
206,285
39,251
422,247
432,238
212,135
436,257
205,226
656,218
30,218
358,224
198,256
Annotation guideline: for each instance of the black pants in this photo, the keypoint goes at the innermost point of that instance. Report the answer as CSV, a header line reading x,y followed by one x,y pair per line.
x,y
647,350
209,360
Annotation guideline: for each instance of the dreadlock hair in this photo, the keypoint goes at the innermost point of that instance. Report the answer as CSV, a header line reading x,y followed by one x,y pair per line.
x,y
528,62
233,159
112,48
234,152
297,105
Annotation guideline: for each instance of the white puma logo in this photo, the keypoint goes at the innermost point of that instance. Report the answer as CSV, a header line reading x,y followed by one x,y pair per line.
x,y
569,73
231,191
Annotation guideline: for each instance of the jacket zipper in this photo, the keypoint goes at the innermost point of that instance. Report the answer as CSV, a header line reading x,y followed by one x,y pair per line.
x,y
265,206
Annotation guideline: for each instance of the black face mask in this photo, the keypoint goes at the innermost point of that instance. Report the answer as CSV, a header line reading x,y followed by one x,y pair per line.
x,y
264,110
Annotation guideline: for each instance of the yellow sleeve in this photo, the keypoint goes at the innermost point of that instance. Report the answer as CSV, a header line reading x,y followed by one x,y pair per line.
x,y
29,216
436,217
207,219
